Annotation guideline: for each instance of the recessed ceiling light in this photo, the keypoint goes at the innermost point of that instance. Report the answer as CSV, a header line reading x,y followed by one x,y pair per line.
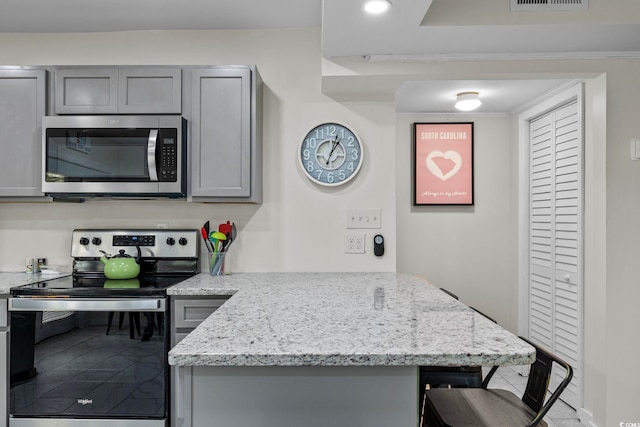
x,y
377,6
467,101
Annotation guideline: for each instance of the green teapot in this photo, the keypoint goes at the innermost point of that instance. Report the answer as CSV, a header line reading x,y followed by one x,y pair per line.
x,y
121,265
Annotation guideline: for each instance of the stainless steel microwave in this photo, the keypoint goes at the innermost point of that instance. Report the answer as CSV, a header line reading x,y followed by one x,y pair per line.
x,y
114,156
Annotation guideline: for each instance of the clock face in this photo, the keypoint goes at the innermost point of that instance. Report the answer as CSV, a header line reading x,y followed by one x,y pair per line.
x,y
330,154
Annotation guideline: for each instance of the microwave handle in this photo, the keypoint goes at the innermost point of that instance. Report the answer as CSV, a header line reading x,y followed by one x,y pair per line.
x,y
151,154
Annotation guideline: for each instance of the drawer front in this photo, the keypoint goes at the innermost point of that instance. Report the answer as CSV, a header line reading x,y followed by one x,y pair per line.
x,y
190,313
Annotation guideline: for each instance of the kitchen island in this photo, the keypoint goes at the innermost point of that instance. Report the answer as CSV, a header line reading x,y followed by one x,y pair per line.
x,y
318,349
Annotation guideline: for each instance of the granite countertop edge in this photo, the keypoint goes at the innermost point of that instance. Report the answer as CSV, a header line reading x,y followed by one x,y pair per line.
x,y
265,321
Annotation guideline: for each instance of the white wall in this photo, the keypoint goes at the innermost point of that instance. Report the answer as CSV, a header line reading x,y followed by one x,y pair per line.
x,y
470,250
299,227
595,288
622,245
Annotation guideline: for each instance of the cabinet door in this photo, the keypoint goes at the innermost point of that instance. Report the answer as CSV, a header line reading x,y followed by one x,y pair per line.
x,y
22,105
150,91
86,91
221,133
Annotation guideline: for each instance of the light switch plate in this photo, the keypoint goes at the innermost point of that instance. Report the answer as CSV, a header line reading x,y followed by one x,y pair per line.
x,y
364,218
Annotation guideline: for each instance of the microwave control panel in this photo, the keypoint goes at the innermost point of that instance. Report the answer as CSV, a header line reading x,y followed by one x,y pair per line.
x,y
168,165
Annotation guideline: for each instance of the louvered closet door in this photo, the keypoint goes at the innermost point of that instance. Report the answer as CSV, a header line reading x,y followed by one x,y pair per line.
x,y
555,235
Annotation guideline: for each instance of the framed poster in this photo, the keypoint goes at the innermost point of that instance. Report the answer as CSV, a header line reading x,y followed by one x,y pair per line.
x,y
443,164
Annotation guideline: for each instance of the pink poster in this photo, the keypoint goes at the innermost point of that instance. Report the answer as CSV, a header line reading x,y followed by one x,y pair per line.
x,y
443,164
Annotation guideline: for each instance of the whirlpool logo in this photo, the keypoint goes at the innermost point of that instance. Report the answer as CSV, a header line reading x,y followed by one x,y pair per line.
x,y
85,401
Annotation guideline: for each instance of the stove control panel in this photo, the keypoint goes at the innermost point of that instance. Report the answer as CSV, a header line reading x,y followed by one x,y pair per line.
x,y
165,243
133,240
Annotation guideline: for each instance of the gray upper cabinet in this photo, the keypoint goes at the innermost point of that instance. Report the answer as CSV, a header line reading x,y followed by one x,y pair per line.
x,y
226,143
150,90
22,105
86,91
118,90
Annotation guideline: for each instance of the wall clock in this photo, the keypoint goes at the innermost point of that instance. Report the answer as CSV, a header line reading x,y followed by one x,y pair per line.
x,y
331,154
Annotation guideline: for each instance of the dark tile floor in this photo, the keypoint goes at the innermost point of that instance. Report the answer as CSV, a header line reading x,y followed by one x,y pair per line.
x,y
86,372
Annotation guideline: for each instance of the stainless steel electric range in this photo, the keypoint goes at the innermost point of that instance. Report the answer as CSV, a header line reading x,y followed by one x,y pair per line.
x,y
90,351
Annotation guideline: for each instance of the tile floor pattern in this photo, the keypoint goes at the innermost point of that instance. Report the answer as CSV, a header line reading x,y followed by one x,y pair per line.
x,y
560,414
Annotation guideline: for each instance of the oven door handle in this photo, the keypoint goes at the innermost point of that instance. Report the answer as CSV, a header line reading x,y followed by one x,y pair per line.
x,y
86,304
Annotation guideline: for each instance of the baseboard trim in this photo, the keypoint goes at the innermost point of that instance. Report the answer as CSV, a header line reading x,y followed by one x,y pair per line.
x,y
585,417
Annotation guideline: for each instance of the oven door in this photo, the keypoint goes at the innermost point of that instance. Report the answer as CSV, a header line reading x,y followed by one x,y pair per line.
x,y
112,155
88,362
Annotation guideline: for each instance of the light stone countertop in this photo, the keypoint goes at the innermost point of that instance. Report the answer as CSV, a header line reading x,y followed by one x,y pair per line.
x,y
15,279
339,319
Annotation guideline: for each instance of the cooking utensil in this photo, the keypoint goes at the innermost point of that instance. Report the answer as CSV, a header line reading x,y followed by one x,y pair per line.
x,y
216,237
231,234
205,237
234,233
226,230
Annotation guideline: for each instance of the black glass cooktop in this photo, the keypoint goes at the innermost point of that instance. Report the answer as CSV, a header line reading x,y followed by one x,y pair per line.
x,y
100,287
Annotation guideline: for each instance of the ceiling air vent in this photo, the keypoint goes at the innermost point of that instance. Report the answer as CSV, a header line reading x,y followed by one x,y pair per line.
x,y
548,5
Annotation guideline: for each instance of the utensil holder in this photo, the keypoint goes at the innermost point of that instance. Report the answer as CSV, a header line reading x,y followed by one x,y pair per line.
x,y
216,263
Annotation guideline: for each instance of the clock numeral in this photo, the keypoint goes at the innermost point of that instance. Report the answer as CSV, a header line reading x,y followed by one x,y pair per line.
x,y
350,167
330,178
350,141
311,142
310,166
354,154
341,175
330,130
320,174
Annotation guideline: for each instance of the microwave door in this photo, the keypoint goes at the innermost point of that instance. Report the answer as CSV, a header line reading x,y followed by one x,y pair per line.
x,y
101,161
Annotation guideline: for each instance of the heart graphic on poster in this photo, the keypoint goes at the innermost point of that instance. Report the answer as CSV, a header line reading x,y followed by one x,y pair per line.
x,y
444,165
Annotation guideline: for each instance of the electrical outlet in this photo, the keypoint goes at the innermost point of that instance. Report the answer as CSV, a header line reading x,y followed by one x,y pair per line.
x,y
364,218
354,243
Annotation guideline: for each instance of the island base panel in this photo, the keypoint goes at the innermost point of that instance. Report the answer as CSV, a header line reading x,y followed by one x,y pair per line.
x,y
311,396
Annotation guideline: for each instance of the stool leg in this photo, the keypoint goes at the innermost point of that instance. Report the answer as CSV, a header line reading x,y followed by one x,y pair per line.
x,y
109,322
131,334
160,322
136,321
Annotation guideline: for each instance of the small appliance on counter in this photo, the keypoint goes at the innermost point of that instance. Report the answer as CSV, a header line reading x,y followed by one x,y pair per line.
x,y
69,363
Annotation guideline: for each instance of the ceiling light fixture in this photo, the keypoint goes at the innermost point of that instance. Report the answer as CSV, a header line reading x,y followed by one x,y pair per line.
x,y
468,101
377,6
